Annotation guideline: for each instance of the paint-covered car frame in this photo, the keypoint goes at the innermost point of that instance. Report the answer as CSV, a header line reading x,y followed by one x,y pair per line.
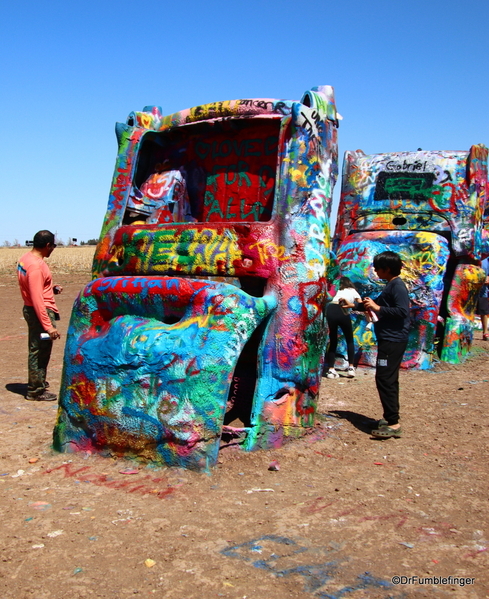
x,y
428,206
205,317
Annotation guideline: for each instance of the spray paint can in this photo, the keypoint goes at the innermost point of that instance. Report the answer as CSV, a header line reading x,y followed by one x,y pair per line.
x,y
372,316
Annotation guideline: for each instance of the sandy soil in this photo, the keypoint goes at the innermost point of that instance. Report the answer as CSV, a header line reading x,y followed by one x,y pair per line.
x,y
342,516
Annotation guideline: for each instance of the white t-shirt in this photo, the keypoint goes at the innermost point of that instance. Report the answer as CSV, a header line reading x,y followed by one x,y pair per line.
x,y
349,294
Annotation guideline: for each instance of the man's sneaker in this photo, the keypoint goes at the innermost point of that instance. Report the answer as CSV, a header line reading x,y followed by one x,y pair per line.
x,y
46,396
350,373
332,374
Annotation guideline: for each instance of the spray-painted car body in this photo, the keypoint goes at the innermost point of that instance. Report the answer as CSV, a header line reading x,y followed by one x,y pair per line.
x,y
210,283
428,207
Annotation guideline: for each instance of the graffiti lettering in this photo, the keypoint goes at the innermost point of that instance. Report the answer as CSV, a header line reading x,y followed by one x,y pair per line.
x,y
410,188
316,246
199,248
268,249
137,284
246,147
316,232
280,107
238,172
416,166
238,175
215,207
211,110
111,283
288,558
102,480
120,183
310,122
256,208
317,204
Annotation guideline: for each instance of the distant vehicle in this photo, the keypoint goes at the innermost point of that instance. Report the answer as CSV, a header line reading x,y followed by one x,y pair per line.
x,y
205,320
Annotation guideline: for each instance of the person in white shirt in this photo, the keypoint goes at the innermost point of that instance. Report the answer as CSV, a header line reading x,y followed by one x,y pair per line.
x,y
338,315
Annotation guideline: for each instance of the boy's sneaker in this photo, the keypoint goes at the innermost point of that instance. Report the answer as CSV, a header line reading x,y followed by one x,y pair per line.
x,y
332,374
485,337
350,373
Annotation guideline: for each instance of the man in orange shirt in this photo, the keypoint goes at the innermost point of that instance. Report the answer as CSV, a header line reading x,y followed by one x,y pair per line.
x,y
40,312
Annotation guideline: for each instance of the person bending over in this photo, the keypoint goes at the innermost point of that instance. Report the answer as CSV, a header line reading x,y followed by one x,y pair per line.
x,y
338,315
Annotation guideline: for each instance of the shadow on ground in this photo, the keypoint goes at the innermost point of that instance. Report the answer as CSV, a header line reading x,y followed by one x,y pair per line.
x,y
19,388
360,421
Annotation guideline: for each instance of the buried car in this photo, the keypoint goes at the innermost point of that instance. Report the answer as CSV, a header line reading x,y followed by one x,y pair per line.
x,y
205,317
428,206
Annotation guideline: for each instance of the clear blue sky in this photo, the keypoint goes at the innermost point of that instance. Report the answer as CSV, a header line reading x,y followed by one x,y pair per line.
x,y
406,75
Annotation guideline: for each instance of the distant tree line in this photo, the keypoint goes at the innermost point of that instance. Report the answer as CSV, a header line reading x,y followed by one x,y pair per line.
x,y
59,242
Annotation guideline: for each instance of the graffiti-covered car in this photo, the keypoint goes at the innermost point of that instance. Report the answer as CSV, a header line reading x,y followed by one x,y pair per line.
x,y
206,313
429,208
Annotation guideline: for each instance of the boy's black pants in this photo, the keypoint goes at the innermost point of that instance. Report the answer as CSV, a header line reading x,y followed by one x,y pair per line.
x,y
389,358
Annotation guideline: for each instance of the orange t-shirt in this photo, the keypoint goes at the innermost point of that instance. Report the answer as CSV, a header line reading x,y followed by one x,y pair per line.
x,y
36,286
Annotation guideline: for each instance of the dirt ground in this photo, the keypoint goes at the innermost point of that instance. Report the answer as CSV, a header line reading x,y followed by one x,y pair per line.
x,y
342,516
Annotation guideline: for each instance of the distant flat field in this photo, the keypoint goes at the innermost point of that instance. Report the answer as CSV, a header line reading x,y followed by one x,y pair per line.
x,y
62,260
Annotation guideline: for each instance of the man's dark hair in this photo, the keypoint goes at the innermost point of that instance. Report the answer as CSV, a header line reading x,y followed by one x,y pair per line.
x,y
42,238
389,261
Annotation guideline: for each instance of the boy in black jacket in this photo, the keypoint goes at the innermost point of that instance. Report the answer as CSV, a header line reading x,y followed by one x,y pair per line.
x,y
392,331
